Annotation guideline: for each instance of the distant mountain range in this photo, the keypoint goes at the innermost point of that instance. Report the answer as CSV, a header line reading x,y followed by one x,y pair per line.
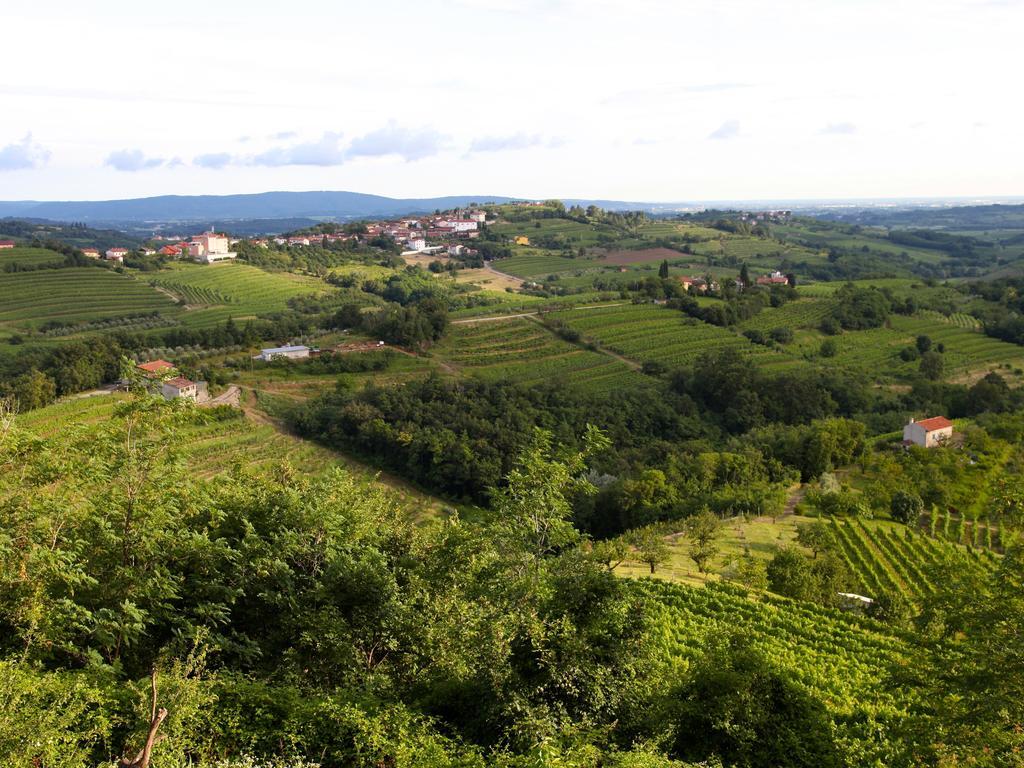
x,y
265,205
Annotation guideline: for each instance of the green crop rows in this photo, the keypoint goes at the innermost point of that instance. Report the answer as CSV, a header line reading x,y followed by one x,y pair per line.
x,y
28,256
841,660
539,266
895,559
523,350
646,332
234,289
28,299
803,313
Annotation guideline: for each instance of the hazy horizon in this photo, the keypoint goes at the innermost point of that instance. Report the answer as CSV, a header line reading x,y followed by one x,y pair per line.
x,y
650,101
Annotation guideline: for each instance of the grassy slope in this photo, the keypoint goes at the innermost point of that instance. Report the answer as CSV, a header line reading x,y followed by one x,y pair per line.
x,y
213,448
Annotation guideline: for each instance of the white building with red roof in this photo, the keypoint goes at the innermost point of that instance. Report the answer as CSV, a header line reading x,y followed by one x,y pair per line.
x,y
116,254
210,247
179,386
928,433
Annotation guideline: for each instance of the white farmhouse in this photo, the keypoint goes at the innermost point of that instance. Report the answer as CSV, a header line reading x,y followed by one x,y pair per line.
x,y
179,386
928,433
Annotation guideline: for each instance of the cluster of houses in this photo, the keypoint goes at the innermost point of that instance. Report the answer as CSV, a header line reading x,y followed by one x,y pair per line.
x,y
163,378
777,217
205,248
775,278
6,244
697,284
701,285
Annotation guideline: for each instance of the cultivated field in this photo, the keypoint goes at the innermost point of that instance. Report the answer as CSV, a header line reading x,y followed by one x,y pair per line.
x,y
29,299
215,292
644,332
25,256
523,350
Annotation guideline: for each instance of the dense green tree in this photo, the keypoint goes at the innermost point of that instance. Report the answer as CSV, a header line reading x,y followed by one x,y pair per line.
x,y
906,507
932,365
736,707
702,532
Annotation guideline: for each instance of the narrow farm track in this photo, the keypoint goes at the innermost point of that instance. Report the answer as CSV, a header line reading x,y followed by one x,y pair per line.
x,y
596,346
491,318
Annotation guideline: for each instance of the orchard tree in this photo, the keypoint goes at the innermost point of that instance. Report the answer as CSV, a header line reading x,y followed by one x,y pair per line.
x,y
703,530
817,537
906,507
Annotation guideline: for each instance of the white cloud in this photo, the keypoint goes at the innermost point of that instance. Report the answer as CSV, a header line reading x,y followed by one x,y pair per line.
x,y
324,152
132,160
730,129
514,141
408,143
838,129
23,154
214,160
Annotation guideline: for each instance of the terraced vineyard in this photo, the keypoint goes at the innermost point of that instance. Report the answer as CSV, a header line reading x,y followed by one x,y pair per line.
x,y
29,299
538,265
645,332
523,350
231,290
877,349
840,659
896,559
959,319
25,256
803,313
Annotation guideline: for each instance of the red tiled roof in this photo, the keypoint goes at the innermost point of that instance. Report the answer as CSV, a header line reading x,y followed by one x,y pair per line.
x,y
934,423
180,382
155,366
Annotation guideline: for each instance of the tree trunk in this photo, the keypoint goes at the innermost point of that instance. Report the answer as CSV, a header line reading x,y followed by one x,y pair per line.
x,y
156,718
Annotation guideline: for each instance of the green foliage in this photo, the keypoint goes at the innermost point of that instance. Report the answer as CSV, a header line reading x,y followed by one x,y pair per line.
x,y
703,530
735,706
906,507
793,574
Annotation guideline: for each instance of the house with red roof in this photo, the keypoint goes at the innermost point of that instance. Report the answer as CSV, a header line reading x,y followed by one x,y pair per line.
x,y
155,368
6,243
92,253
179,386
928,433
775,278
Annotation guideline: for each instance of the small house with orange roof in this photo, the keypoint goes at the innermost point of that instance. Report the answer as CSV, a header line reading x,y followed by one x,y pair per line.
x,y
928,433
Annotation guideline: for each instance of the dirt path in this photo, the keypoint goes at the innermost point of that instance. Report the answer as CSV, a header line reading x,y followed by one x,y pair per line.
x,y
491,318
231,396
795,496
506,275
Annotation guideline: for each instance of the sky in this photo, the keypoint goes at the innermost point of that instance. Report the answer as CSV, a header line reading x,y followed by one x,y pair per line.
x,y
644,100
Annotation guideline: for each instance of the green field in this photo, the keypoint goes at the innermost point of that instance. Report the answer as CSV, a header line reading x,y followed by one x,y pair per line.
x,y
29,299
842,660
215,292
540,265
523,350
877,350
215,447
25,256
646,332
